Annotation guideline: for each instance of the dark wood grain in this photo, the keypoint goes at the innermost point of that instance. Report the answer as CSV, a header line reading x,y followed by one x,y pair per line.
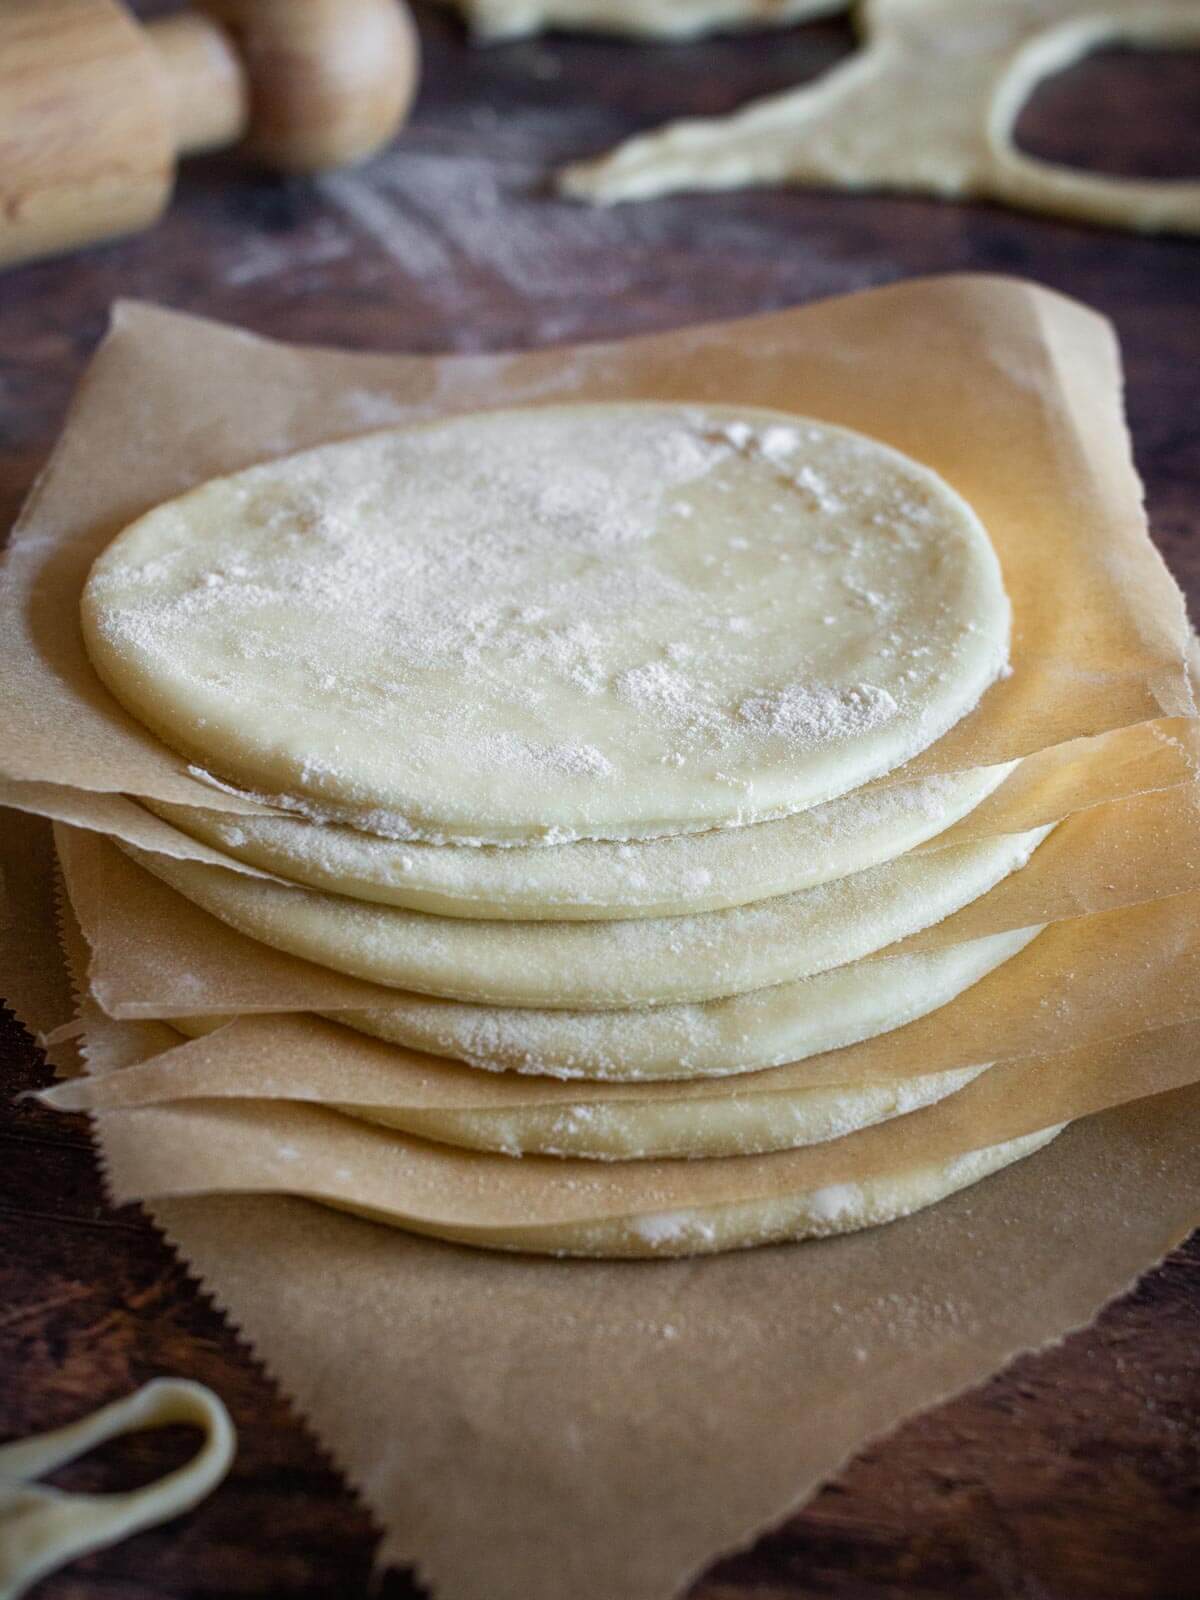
x,y
1075,1475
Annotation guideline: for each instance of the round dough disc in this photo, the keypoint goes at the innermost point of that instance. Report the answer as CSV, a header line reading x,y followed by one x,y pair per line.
x,y
646,961
743,1033
584,621
734,1122
710,1229
599,880
508,1114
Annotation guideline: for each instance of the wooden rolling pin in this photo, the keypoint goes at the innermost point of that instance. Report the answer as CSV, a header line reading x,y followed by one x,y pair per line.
x,y
95,108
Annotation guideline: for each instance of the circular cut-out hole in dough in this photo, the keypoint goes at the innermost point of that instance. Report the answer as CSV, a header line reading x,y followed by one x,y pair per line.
x,y
1144,203
1107,113
580,621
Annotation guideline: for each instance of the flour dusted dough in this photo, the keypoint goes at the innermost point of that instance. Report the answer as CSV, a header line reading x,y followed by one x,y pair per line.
x,y
648,961
583,621
767,1028
659,19
742,1033
599,880
504,1112
700,1230
928,104
732,1124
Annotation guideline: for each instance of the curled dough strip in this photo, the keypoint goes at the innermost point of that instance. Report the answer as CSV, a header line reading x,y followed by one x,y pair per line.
x,y
1152,205
41,1528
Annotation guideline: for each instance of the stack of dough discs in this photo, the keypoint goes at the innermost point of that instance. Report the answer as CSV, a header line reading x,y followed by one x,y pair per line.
x,y
603,879
578,724
646,961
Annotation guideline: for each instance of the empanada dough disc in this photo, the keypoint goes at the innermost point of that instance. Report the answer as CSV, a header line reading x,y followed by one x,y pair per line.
x,y
734,1125
780,1219
580,621
657,19
646,961
551,1205
743,1033
599,879
452,1104
927,105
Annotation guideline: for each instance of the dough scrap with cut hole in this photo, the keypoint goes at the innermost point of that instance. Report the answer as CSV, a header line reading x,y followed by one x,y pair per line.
x,y
646,961
590,621
600,879
928,105
657,19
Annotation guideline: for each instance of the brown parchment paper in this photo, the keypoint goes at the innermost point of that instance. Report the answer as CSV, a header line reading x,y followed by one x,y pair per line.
x,y
1010,391
524,1429
1090,981
1046,786
155,954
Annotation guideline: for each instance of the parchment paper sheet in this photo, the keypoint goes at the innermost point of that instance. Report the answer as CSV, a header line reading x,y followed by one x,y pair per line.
x,y
253,1146
154,954
1086,982
525,1429
1047,786
1010,391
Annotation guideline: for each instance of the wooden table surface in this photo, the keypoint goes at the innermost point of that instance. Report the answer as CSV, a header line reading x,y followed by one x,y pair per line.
x,y
1076,1474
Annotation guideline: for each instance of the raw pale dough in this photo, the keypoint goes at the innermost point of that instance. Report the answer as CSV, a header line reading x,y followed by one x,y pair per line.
x,y
41,1529
700,1230
506,1113
648,961
582,621
745,1033
659,19
601,880
928,104
549,1205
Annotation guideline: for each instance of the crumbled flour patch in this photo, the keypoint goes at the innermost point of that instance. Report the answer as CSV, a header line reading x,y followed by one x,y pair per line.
x,y
835,1202
811,714
658,1228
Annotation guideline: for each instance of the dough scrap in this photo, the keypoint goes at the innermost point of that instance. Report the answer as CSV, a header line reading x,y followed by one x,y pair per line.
x,y
605,621
493,20
743,1033
601,880
927,105
42,1529
646,961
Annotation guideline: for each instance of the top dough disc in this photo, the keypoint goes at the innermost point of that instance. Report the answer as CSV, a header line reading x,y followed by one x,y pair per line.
x,y
610,621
